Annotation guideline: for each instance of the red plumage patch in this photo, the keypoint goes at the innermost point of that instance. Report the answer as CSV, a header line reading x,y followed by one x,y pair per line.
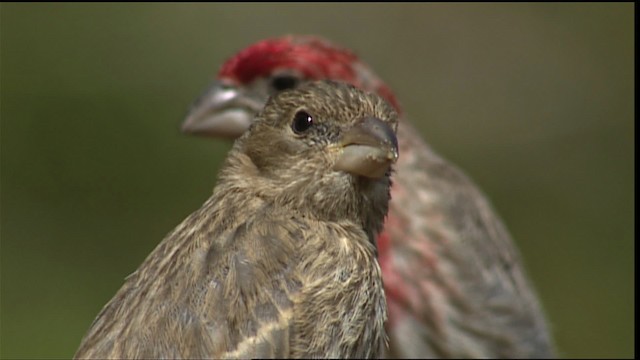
x,y
314,58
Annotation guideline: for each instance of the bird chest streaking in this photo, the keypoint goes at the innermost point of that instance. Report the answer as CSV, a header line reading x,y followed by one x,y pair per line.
x,y
281,260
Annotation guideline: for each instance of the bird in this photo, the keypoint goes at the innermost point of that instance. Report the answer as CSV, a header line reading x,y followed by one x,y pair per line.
x,y
454,279
280,261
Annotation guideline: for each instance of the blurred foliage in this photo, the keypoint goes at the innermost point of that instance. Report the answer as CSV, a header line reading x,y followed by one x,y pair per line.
x,y
534,101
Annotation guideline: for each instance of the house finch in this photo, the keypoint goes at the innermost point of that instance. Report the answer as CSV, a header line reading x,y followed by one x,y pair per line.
x,y
281,260
453,279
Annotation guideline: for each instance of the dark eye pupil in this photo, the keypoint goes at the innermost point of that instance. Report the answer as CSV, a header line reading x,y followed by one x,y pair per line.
x,y
301,122
284,82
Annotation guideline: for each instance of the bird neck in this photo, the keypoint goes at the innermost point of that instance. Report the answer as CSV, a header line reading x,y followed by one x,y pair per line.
x,y
361,201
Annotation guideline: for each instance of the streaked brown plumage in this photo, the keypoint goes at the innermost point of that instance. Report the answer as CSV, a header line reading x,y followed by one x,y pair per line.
x,y
454,280
281,260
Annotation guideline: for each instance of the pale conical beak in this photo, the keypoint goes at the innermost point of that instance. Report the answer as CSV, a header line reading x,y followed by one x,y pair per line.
x,y
223,111
368,148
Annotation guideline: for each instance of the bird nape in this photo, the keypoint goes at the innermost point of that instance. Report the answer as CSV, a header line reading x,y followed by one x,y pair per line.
x,y
453,277
281,260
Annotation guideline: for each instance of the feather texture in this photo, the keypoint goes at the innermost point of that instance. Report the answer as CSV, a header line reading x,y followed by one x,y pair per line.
x,y
454,280
265,268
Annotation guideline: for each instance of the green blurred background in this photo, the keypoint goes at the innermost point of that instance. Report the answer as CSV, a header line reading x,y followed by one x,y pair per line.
x,y
534,101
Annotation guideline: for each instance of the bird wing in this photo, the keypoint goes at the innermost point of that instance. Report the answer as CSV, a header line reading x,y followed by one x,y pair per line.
x,y
259,288
205,293
470,271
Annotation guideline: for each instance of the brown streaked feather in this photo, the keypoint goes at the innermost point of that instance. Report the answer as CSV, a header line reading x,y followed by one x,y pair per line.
x,y
244,293
279,262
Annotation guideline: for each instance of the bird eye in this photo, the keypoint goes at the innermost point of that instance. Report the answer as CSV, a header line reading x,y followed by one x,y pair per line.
x,y
302,121
284,82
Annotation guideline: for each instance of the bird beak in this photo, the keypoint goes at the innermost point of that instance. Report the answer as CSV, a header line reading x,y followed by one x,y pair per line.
x,y
223,111
368,148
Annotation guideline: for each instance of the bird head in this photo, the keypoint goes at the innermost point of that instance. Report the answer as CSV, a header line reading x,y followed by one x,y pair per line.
x,y
326,147
247,79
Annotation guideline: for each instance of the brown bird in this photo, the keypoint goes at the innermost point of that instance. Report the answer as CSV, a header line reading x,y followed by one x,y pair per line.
x,y
281,260
453,277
